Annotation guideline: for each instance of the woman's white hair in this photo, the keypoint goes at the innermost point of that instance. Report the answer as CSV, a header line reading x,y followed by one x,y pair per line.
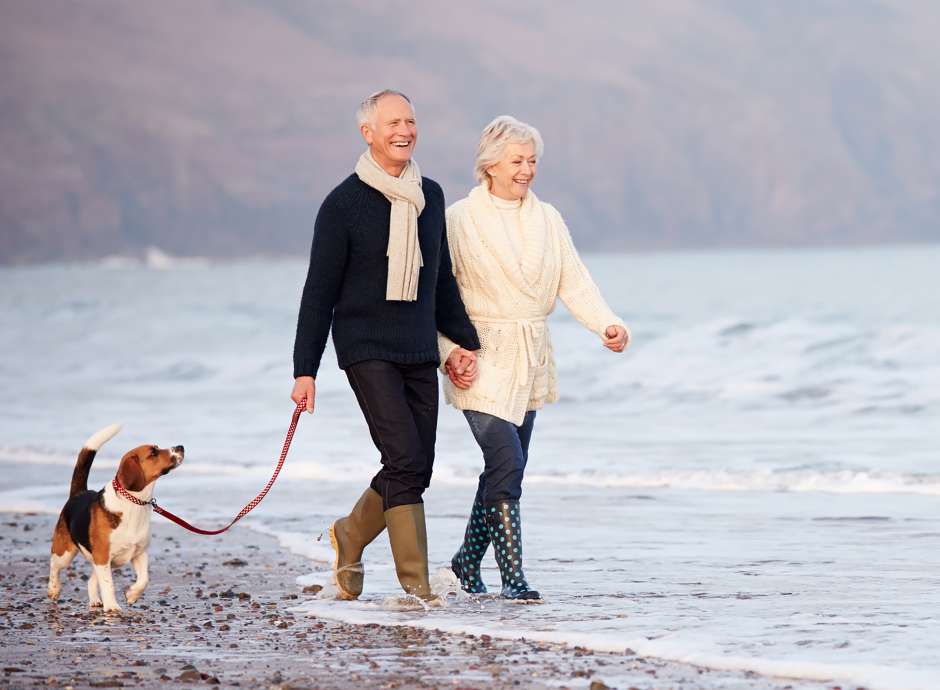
x,y
365,114
502,131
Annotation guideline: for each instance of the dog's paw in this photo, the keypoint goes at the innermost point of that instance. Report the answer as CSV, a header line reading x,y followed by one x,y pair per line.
x,y
53,592
132,595
95,604
113,610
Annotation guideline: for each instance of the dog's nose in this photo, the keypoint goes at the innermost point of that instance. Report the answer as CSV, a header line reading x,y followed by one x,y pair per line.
x,y
178,449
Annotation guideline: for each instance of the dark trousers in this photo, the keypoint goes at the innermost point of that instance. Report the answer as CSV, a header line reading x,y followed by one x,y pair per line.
x,y
505,449
399,402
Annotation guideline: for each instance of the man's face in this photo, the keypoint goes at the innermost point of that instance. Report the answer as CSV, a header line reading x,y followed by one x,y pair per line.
x,y
392,134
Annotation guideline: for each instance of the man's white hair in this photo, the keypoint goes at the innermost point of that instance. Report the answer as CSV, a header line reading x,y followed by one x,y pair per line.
x,y
365,115
502,131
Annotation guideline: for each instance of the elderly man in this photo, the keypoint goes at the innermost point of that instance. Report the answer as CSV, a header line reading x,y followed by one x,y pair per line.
x,y
380,273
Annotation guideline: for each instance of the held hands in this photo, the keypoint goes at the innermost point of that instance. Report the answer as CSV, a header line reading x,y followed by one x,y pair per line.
x,y
461,367
616,338
304,387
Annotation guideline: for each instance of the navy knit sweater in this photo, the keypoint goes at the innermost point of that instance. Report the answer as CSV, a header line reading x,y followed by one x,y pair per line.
x,y
346,285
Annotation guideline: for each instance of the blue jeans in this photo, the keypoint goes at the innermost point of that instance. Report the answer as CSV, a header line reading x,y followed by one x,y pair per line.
x,y
505,449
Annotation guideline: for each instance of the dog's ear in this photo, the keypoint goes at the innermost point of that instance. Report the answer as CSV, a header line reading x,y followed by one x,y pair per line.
x,y
131,474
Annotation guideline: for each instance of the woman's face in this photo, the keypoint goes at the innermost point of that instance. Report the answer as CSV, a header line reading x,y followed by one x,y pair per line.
x,y
513,175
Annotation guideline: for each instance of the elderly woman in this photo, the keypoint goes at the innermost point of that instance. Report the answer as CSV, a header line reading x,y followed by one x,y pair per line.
x,y
512,257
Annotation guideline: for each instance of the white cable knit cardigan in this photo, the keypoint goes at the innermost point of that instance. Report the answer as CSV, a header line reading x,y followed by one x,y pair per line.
x,y
509,303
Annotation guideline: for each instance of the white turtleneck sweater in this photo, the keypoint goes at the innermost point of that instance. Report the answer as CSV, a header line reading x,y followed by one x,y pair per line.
x,y
509,213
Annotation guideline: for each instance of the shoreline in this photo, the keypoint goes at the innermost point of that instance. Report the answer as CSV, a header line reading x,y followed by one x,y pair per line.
x,y
217,612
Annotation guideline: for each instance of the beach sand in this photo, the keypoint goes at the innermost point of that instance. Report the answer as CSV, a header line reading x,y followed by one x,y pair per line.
x,y
216,612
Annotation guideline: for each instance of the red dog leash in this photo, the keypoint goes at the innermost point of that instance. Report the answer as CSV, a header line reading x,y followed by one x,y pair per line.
x,y
301,406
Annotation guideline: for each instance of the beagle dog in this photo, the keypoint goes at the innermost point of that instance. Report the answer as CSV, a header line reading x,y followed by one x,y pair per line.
x,y
106,527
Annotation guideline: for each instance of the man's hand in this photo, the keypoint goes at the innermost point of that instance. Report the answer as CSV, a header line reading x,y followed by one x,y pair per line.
x,y
616,338
461,367
304,387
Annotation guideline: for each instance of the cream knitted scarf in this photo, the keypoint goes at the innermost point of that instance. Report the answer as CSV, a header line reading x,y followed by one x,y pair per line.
x,y
404,251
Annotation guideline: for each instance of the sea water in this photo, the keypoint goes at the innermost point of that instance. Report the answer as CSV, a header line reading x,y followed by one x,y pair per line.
x,y
754,485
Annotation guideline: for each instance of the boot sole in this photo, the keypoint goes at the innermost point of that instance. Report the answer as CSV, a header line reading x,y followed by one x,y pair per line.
x,y
340,592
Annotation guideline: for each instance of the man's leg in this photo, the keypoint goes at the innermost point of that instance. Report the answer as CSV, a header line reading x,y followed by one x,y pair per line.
x,y
383,395
421,392
390,398
349,536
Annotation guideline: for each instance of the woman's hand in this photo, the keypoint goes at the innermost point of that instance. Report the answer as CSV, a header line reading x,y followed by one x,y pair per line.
x,y
461,367
616,338
304,387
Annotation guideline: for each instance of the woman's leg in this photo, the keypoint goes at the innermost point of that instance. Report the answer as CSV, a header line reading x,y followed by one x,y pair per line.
x,y
505,524
476,539
505,453
525,435
502,450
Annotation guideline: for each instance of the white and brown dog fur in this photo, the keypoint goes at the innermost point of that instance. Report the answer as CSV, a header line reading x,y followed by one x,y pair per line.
x,y
109,530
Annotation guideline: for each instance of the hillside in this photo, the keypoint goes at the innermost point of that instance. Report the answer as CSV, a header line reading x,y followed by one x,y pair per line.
x,y
215,127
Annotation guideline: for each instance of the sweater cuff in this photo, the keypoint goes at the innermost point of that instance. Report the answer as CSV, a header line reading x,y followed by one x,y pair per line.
x,y
306,367
612,320
445,346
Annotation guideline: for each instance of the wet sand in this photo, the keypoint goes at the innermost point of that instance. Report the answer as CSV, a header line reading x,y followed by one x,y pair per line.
x,y
216,612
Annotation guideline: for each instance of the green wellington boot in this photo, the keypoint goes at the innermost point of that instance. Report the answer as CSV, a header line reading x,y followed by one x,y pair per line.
x,y
466,562
408,537
505,526
349,536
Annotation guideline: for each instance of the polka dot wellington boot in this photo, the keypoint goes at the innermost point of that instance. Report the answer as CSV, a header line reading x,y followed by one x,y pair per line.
x,y
466,562
505,527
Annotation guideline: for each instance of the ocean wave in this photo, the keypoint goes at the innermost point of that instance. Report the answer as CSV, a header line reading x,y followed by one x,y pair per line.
x,y
785,364
810,478
184,370
153,258
835,482
38,456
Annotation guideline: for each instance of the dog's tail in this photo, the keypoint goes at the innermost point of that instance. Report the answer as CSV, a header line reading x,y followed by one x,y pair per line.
x,y
87,454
